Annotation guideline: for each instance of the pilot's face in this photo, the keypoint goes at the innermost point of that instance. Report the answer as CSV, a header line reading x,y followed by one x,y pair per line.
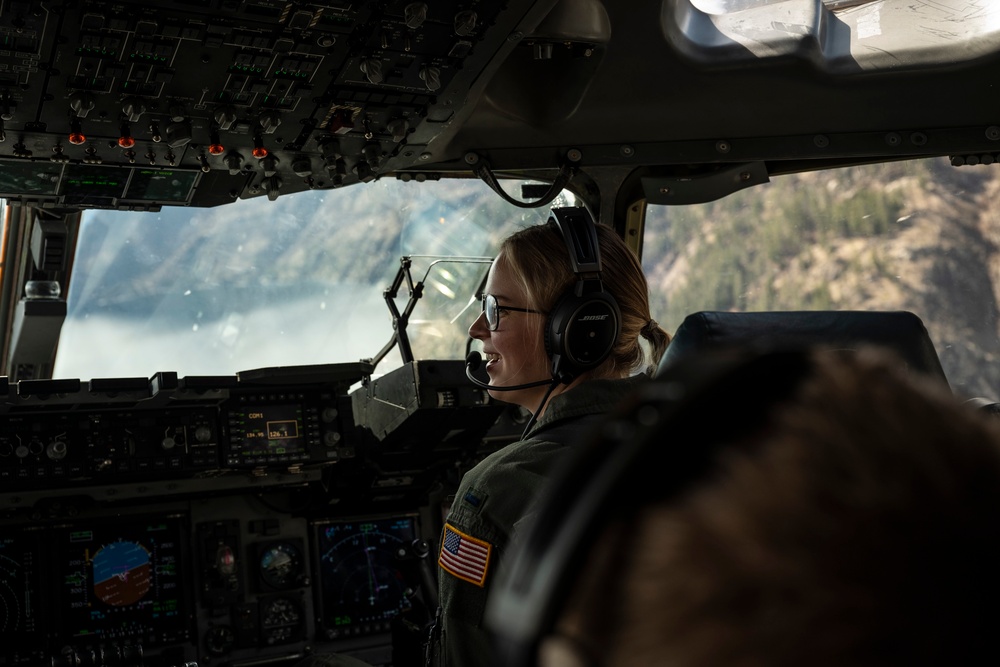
x,y
515,349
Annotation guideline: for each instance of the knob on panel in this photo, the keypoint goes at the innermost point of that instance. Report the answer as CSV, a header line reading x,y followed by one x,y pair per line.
x,y
302,166
269,121
133,107
415,14
431,77
178,133
272,184
81,103
225,116
465,23
234,161
372,67
56,450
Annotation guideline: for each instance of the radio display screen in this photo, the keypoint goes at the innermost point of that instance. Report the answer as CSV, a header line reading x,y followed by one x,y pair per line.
x,y
268,431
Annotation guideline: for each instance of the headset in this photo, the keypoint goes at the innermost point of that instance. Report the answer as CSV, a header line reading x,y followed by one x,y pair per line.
x,y
652,447
585,322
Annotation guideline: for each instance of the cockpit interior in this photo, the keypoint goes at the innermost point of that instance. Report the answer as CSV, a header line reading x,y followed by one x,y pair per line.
x,y
183,480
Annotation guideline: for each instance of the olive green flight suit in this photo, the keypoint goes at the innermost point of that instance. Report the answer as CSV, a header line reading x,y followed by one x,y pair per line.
x,y
494,500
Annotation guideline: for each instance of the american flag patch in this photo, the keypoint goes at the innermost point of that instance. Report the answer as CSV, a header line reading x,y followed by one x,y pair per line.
x,y
464,556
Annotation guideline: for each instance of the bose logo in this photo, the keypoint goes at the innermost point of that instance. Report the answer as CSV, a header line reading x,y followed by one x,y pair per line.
x,y
591,318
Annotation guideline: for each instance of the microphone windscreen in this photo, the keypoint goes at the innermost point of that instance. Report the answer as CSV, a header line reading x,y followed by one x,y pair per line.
x,y
473,361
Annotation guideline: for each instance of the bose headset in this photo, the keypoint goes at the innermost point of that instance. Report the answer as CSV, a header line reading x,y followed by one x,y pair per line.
x,y
653,447
584,324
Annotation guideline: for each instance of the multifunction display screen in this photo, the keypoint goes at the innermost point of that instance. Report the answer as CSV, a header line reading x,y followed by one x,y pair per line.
x,y
22,602
362,578
123,581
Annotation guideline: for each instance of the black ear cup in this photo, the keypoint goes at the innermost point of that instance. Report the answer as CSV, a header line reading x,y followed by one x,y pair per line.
x,y
581,331
584,324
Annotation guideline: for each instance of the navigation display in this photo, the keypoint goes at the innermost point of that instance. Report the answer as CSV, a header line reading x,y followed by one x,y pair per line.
x,y
362,582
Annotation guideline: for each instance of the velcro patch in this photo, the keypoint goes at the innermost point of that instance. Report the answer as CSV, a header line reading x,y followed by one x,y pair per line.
x,y
464,556
471,498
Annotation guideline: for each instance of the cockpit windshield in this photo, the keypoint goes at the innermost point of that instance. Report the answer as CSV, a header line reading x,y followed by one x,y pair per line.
x,y
308,279
299,280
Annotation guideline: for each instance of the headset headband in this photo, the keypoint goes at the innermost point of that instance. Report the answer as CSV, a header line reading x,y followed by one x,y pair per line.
x,y
580,233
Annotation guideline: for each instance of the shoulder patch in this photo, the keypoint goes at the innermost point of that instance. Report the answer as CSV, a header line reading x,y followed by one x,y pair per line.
x,y
464,556
473,498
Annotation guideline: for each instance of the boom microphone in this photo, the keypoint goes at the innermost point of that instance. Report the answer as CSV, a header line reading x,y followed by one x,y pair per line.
x,y
473,361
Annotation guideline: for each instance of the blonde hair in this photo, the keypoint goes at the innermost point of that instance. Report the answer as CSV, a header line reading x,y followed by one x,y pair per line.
x,y
538,259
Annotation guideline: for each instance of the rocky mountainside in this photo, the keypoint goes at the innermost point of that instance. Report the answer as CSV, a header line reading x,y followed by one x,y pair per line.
x,y
921,237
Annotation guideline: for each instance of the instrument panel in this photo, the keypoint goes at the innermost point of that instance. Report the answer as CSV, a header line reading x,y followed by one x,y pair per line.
x,y
134,105
242,521
265,587
60,435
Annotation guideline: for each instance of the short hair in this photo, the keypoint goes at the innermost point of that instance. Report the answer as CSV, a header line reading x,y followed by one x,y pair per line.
x,y
860,526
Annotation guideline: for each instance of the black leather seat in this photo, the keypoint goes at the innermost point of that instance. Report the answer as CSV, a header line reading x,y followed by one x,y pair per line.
x,y
901,331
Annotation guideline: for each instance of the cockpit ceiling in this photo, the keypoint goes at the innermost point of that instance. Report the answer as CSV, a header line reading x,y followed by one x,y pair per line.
x,y
135,105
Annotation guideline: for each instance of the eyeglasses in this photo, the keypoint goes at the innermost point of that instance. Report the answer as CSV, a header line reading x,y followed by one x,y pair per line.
x,y
492,310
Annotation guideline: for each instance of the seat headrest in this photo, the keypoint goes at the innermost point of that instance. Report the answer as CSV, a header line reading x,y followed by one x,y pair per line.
x,y
901,331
